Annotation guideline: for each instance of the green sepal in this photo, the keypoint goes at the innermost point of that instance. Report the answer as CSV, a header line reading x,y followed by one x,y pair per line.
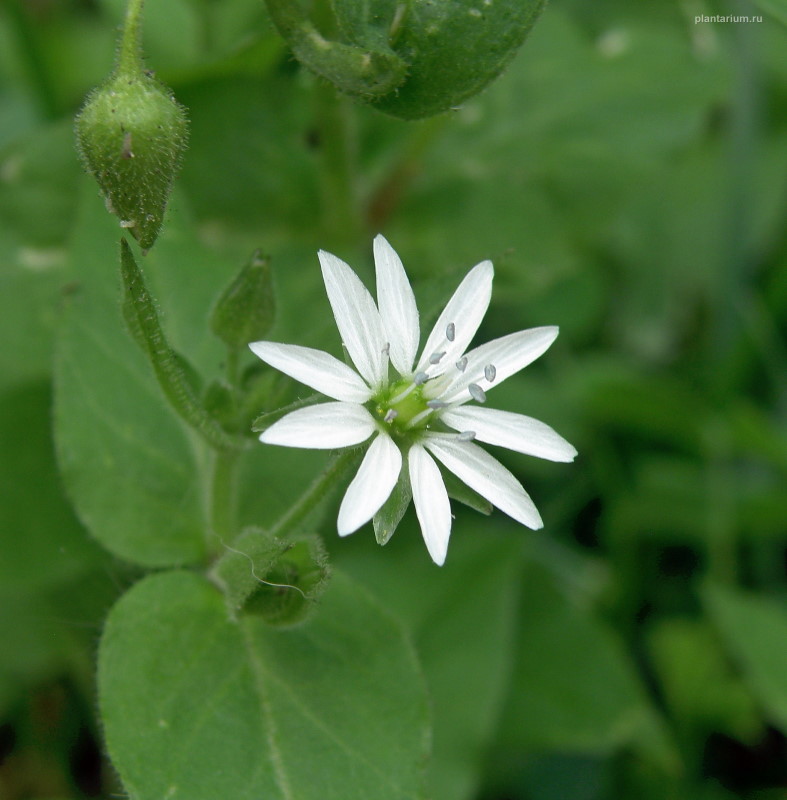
x,y
142,319
246,309
266,419
276,579
462,493
387,519
366,67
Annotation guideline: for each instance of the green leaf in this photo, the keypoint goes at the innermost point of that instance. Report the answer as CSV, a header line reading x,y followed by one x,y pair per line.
x,y
129,465
463,619
199,707
754,631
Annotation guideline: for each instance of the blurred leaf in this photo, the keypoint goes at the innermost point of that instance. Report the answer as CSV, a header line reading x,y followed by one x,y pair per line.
x,y
462,618
198,706
754,631
701,692
38,175
776,8
574,687
263,170
41,541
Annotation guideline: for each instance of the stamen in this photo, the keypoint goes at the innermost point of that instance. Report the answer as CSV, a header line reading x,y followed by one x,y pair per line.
x,y
450,332
390,415
420,378
466,436
387,349
490,372
461,365
435,404
477,393
418,418
435,357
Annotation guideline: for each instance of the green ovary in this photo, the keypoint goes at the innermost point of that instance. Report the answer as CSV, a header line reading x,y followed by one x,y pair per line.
x,y
406,409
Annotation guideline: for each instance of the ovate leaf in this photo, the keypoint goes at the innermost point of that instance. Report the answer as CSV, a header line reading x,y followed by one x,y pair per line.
x,y
197,707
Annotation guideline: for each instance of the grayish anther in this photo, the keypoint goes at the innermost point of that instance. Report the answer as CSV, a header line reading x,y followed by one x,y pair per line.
x,y
387,349
435,357
450,332
490,372
466,436
390,415
436,404
461,365
420,378
477,393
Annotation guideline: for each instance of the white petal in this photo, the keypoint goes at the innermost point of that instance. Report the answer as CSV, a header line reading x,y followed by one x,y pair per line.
x,y
508,355
431,502
319,370
487,476
514,431
322,427
357,318
465,310
371,486
397,306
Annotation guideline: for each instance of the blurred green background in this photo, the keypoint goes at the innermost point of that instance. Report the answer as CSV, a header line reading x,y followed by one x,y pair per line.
x,y
628,177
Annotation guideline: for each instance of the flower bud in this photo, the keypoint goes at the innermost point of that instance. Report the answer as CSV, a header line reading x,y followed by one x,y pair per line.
x,y
410,59
453,50
245,310
131,134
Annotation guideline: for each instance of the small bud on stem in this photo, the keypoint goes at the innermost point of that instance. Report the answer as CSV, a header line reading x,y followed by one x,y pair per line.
x,y
131,134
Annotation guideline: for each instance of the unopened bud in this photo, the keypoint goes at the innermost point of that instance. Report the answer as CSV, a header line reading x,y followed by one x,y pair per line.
x,y
245,310
131,134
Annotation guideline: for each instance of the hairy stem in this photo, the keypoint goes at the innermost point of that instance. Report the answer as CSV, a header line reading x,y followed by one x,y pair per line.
x,y
130,53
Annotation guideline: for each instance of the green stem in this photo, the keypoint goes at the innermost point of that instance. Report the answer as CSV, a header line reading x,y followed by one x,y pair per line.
x,y
315,493
337,142
232,367
130,54
223,495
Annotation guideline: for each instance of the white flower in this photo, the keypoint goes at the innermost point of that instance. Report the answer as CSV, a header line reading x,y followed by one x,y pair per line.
x,y
418,411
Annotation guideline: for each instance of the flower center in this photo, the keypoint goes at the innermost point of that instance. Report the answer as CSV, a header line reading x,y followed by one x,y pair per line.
x,y
402,407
